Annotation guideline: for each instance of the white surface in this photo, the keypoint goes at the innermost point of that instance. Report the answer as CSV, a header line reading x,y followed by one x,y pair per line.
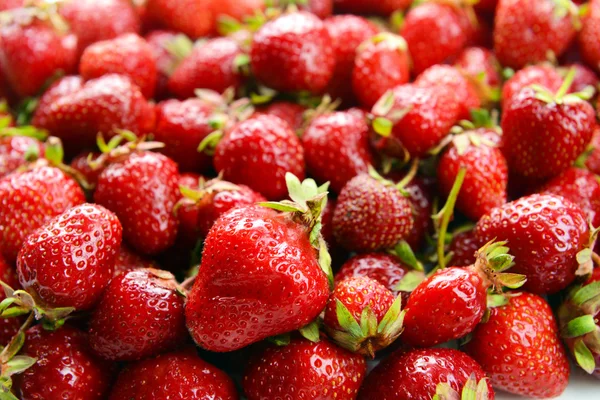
x,y
581,387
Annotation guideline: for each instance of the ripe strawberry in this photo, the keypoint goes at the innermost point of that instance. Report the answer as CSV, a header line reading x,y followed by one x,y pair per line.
x,y
545,233
417,374
139,315
482,69
464,246
304,369
65,367
182,374
28,199
186,209
381,64
291,113
337,148
127,260
588,45
299,44
213,65
142,191
371,214
81,164
128,55
385,7
532,364
542,74
166,60
593,161
584,78
321,8
258,152
8,326
194,18
421,201
14,151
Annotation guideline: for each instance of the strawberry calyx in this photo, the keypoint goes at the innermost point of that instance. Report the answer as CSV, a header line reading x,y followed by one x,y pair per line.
x,y
464,134
388,116
392,42
561,96
28,130
44,11
119,147
316,107
566,8
471,390
405,254
12,363
587,258
401,186
206,189
179,47
492,260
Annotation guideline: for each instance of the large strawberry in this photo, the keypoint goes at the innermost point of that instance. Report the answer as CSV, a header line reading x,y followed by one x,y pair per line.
x,y
194,18
544,75
15,151
299,44
304,369
464,246
588,45
530,363
292,113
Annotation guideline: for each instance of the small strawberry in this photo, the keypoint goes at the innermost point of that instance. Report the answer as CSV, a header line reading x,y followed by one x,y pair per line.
x,y
303,369
194,18
128,55
299,44
291,113
182,374
383,7
186,209
482,69
416,374
584,77
544,75
169,49
127,260
593,160
336,148
587,38
15,151
139,315
81,164
464,246
531,364
545,233
381,64
421,200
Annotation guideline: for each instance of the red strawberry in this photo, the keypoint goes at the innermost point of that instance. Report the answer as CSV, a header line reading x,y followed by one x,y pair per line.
x,y
371,214
166,60
545,233
321,8
29,199
180,373
128,55
142,191
139,315
304,369
258,152
95,20
381,64
593,161
188,232
70,260
65,367
10,4
588,43
237,9
584,78
464,246
482,69
486,5
533,363
383,7
127,260
8,326
337,149
213,65
299,44
416,374
81,164
194,18
14,151
543,75
291,113
421,201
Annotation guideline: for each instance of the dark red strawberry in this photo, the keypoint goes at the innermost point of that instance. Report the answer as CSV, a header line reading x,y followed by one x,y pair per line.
x,y
304,369
194,18
486,5
81,164
188,232
593,161
128,55
381,64
482,69
163,43
214,65
421,199
8,326
292,113
416,374
15,150
543,75
299,44
464,246
258,152
28,199
65,367
383,7
337,148
545,233
588,45
531,364
139,315
127,260
142,191
180,373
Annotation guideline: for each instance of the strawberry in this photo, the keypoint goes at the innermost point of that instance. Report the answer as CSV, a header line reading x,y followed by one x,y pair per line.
x,y
237,9
321,8
381,64
141,190
337,149
69,261
593,160
385,7
545,233
464,246
416,375
584,77
15,150
213,65
81,164
127,260
371,214
347,32
128,55
588,45
166,60
533,364
95,20
258,152
227,308
304,369
542,74
139,315
299,44
8,326
181,373
482,69
28,199
194,18
186,209
564,123
291,113
65,367
421,201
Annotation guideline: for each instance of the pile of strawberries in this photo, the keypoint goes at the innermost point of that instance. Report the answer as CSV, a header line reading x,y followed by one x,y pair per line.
x,y
298,199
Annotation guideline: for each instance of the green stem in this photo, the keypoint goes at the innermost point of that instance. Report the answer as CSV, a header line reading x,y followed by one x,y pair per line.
x,y
445,214
566,85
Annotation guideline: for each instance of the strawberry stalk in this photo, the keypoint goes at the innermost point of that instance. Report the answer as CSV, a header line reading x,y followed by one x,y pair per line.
x,y
12,363
471,390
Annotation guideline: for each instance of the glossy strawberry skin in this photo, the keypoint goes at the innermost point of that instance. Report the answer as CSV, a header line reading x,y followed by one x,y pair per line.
x,y
227,309
258,152
66,368
165,61
9,326
337,148
543,75
28,200
195,18
142,191
181,374
127,260
593,161
81,164
139,315
299,44
321,8
69,261
463,246
127,55
583,78
588,45
209,66
531,364
292,113
544,233
13,150
303,369
415,374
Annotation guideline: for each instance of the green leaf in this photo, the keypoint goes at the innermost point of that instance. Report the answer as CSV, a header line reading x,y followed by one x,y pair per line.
x,y
54,150
410,281
14,346
280,340
579,326
281,206
18,364
346,320
383,126
586,293
469,391
496,300
295,189
393,318
311,331
210,142
8,291
512,281
384,104
584,356
404,252
325,261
